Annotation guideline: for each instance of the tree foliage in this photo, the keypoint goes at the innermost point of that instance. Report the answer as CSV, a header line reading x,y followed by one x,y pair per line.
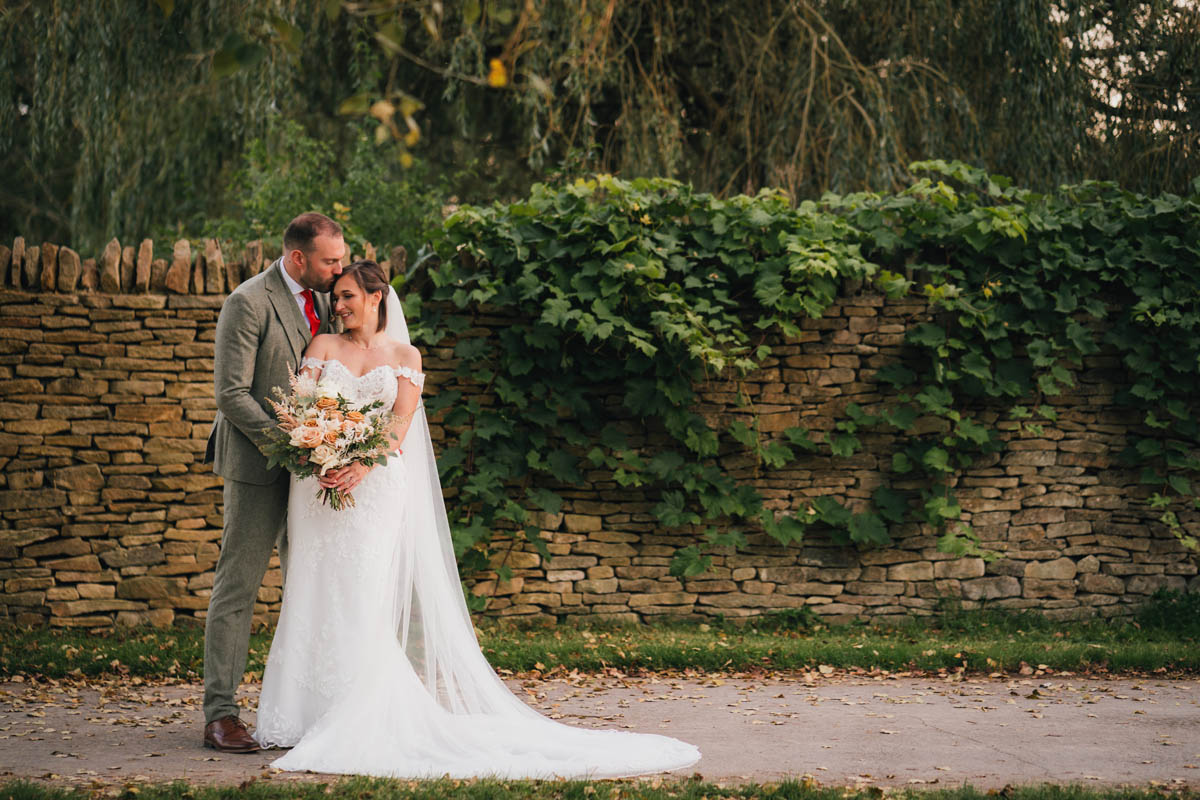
x,y
120,118
124,118
816,95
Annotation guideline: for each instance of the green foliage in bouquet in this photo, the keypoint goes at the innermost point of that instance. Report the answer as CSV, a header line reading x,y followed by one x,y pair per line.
x,y
652,288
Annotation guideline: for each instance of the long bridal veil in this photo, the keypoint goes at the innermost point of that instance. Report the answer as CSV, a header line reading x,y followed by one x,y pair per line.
x,y
430,614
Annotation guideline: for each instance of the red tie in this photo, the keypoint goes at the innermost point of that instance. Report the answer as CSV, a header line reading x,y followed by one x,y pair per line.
x,y
310,311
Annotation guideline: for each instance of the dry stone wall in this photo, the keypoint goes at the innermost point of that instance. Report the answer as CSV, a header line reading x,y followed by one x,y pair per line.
x,y
108,515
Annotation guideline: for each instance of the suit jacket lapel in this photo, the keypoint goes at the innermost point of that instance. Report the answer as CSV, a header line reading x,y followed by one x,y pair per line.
x,y
294,323
322,300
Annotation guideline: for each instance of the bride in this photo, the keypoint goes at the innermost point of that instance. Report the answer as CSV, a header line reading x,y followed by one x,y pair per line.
x,y
374,668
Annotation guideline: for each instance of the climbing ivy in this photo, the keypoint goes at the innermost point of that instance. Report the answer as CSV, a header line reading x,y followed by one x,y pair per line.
x,y
650,289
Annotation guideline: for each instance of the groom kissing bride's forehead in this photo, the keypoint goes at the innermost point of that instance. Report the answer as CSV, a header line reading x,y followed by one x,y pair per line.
x,y
263,330
313,250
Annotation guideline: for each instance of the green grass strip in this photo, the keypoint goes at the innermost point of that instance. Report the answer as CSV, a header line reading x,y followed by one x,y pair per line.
x,y
374,789
1164,637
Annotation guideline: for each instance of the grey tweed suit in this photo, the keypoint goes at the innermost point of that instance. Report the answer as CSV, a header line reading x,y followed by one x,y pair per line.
x,y
261,333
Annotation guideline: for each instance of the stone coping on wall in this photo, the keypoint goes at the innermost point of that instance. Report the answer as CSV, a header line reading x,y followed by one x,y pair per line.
x,y
204,267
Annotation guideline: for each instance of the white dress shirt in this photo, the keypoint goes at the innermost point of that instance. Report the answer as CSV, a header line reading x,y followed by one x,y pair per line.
x,y
296,289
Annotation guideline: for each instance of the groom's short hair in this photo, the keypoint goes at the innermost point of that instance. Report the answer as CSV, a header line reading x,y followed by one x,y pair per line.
x,y
303,229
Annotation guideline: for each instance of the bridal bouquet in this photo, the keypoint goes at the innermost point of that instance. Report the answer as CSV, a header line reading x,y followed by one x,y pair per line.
x,y
319,430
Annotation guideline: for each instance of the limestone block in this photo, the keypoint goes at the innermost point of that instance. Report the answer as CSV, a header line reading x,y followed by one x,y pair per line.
x,y
1038,516
1149,584
110,267
875,587
32,498
837,609
1062,569
608,549
252,259
133,556
31,267
551,599
70,270
18,261
811,588
158,275
179,274
48,278
581,523
733,600
1075,528
148,587
599,573
5,261
58,547
960,568
94,591
915,571
515,559
25,599
214,268
710,586
144,266
1057,499
662,599
874,557
605,586
1101,584
127,268
155,617
86,477
496,588
15,585
757,587
1054,589
991,588
74,608
89,278
784,574
1087,566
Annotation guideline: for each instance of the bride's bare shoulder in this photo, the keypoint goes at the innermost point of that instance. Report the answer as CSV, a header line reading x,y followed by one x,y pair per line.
x,y
406,355
323,346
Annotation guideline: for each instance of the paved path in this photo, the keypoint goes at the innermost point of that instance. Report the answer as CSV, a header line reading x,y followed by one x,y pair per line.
x,y
891,731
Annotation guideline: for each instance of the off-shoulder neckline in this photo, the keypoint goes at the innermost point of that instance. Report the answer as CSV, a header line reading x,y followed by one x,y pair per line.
x,y
407,372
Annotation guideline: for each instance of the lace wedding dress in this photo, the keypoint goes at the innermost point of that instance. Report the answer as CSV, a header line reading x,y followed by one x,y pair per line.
x,y
374,668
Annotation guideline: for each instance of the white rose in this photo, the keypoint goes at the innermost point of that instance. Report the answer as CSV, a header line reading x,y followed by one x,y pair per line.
x,y
323,455
327,389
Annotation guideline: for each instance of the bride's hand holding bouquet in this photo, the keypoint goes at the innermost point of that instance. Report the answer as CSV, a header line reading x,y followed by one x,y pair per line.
x,y
320,430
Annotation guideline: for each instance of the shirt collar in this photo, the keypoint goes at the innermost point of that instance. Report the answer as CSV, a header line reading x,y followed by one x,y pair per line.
x,y
287,278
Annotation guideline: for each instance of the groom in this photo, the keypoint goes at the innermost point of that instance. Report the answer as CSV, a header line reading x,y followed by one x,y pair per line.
x,y
263,328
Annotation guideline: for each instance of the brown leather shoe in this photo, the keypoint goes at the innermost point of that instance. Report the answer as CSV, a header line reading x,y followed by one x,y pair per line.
x,y
229,735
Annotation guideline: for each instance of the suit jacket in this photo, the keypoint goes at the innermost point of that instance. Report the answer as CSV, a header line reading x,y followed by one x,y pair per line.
x,y
261,334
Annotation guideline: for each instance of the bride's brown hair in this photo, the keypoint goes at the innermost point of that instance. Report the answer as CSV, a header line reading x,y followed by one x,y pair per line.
x,y
369,277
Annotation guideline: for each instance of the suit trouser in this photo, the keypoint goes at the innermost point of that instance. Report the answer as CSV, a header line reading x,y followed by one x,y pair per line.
x,y
255,520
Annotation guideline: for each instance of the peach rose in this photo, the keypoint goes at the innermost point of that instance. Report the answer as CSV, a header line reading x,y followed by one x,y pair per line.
x,y
326,403
331,436
355,416
306,436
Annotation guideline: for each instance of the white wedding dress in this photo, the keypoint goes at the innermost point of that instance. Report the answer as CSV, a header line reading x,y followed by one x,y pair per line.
x,y
375,669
